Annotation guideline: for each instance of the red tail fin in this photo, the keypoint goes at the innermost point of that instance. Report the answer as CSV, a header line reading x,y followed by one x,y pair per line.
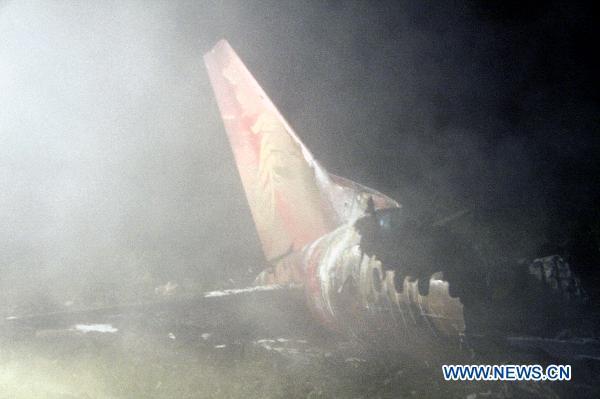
x,y
278,172
292,199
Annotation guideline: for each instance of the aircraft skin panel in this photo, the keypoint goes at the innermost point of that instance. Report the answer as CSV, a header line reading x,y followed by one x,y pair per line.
x,y
279,175
349,198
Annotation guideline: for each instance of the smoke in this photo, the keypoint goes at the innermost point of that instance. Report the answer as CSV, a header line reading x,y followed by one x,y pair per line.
x,y
116,174
114,164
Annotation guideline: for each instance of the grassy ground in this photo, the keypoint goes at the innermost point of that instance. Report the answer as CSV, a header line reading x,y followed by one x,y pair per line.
x,y
63,364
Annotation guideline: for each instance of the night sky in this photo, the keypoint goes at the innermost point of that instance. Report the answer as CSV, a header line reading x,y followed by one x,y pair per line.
x,y
118,172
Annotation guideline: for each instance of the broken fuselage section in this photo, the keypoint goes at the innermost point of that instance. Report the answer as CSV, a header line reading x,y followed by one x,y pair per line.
x,y
318,229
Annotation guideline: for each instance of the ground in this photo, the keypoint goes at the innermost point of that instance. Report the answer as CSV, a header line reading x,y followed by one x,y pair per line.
x,y
182,361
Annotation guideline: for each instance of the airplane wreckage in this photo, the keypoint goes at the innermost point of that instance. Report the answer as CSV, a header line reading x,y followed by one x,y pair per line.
x,y
364,267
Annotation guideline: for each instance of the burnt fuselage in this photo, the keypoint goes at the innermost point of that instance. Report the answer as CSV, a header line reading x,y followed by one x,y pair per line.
x,y
357,282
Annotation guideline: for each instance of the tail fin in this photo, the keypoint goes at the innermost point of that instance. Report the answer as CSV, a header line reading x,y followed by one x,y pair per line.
x,y
280,176
293,199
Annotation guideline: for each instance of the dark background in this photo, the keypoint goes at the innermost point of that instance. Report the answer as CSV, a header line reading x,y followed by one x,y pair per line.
x,y
117,177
